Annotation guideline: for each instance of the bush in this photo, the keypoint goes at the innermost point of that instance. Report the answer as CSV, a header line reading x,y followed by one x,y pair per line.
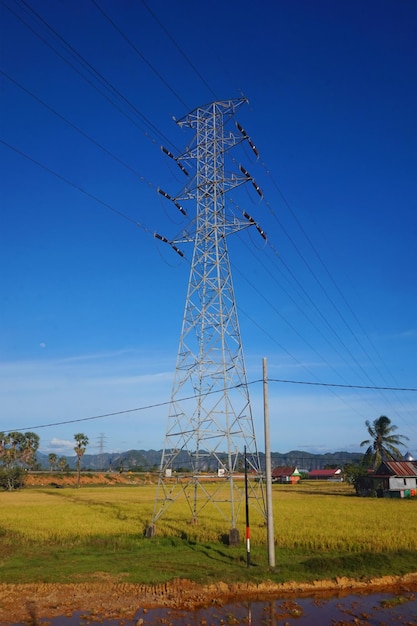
x,y
13,478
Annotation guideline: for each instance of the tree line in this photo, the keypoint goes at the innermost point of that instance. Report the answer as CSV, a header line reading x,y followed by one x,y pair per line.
x,y
18,453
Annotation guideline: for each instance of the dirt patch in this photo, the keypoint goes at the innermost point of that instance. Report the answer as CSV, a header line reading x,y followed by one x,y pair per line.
x,y
70,479
109,600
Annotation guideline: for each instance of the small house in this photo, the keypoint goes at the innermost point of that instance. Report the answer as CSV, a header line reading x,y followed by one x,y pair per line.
x,y
334,475
285,475
396,479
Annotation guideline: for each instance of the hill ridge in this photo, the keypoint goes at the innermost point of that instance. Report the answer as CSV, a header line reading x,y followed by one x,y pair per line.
x,y
149,460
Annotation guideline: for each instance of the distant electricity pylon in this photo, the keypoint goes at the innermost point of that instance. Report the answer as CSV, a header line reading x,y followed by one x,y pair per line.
x,y
101,443
210,421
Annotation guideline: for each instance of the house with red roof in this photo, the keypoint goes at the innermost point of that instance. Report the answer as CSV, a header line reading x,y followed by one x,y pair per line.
x,y
334,475
285,475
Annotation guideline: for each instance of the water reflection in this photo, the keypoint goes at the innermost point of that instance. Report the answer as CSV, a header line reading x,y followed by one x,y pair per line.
x,y
355,609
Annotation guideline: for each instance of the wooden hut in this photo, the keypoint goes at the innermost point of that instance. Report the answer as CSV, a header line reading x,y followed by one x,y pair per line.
x,y
396,479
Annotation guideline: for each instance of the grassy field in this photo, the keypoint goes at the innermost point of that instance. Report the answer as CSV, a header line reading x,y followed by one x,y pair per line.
x,y
97,533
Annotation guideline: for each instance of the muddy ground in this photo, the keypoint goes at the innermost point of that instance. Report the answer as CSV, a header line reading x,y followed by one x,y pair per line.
x,y
106,599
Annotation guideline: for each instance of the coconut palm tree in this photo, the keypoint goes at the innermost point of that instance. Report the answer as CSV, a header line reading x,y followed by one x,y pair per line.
x,y
383,444
81,444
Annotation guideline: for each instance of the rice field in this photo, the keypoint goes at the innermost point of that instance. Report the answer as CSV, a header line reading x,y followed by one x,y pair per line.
x,y
78,532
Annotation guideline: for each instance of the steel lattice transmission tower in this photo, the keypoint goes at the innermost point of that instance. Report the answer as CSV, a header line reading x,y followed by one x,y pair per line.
x,y
210,418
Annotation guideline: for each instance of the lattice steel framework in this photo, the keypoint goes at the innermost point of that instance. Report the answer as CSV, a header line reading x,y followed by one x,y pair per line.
x,y
210,418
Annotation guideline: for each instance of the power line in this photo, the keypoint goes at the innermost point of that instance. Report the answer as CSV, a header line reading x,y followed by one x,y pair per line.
x,y
76,128
319,282
343,386
139,53
89,68
301,309
322,287
319,257
180,50
167,402
77,187
298,333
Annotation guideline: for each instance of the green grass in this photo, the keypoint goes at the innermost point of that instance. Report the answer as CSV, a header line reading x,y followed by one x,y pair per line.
x,y
321,531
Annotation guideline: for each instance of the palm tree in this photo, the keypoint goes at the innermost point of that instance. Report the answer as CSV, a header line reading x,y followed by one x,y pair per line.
x,y
81,444
62,463
383,444
53,460
28,449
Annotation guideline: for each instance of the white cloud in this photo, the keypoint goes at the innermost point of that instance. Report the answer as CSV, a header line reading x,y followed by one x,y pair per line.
x,y
61,444
123,394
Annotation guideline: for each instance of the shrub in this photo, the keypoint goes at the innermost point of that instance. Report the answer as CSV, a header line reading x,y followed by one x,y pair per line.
x,y
13,478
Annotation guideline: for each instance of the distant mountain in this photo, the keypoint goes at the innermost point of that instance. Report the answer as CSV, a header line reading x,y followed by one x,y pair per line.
x,y
310,461
149,460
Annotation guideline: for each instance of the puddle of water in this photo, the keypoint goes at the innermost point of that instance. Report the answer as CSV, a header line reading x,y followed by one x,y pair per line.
x,y
359,610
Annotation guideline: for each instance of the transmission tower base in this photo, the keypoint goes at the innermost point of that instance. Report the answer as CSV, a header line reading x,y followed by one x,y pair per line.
x,y
234,539
150,531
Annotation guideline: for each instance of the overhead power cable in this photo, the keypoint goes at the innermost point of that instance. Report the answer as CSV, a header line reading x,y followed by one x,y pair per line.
x,y
321,285
302,365
360,368
78,130
301,309
321,357
308,319
139,53
324,290
187,59
77,187
343,386
90,69
167,402
332,280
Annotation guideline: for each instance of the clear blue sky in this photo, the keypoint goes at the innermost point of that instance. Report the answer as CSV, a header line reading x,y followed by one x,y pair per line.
x,y
92,304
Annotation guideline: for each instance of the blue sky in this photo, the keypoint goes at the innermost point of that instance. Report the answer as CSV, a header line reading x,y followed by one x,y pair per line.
x,y
92,304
